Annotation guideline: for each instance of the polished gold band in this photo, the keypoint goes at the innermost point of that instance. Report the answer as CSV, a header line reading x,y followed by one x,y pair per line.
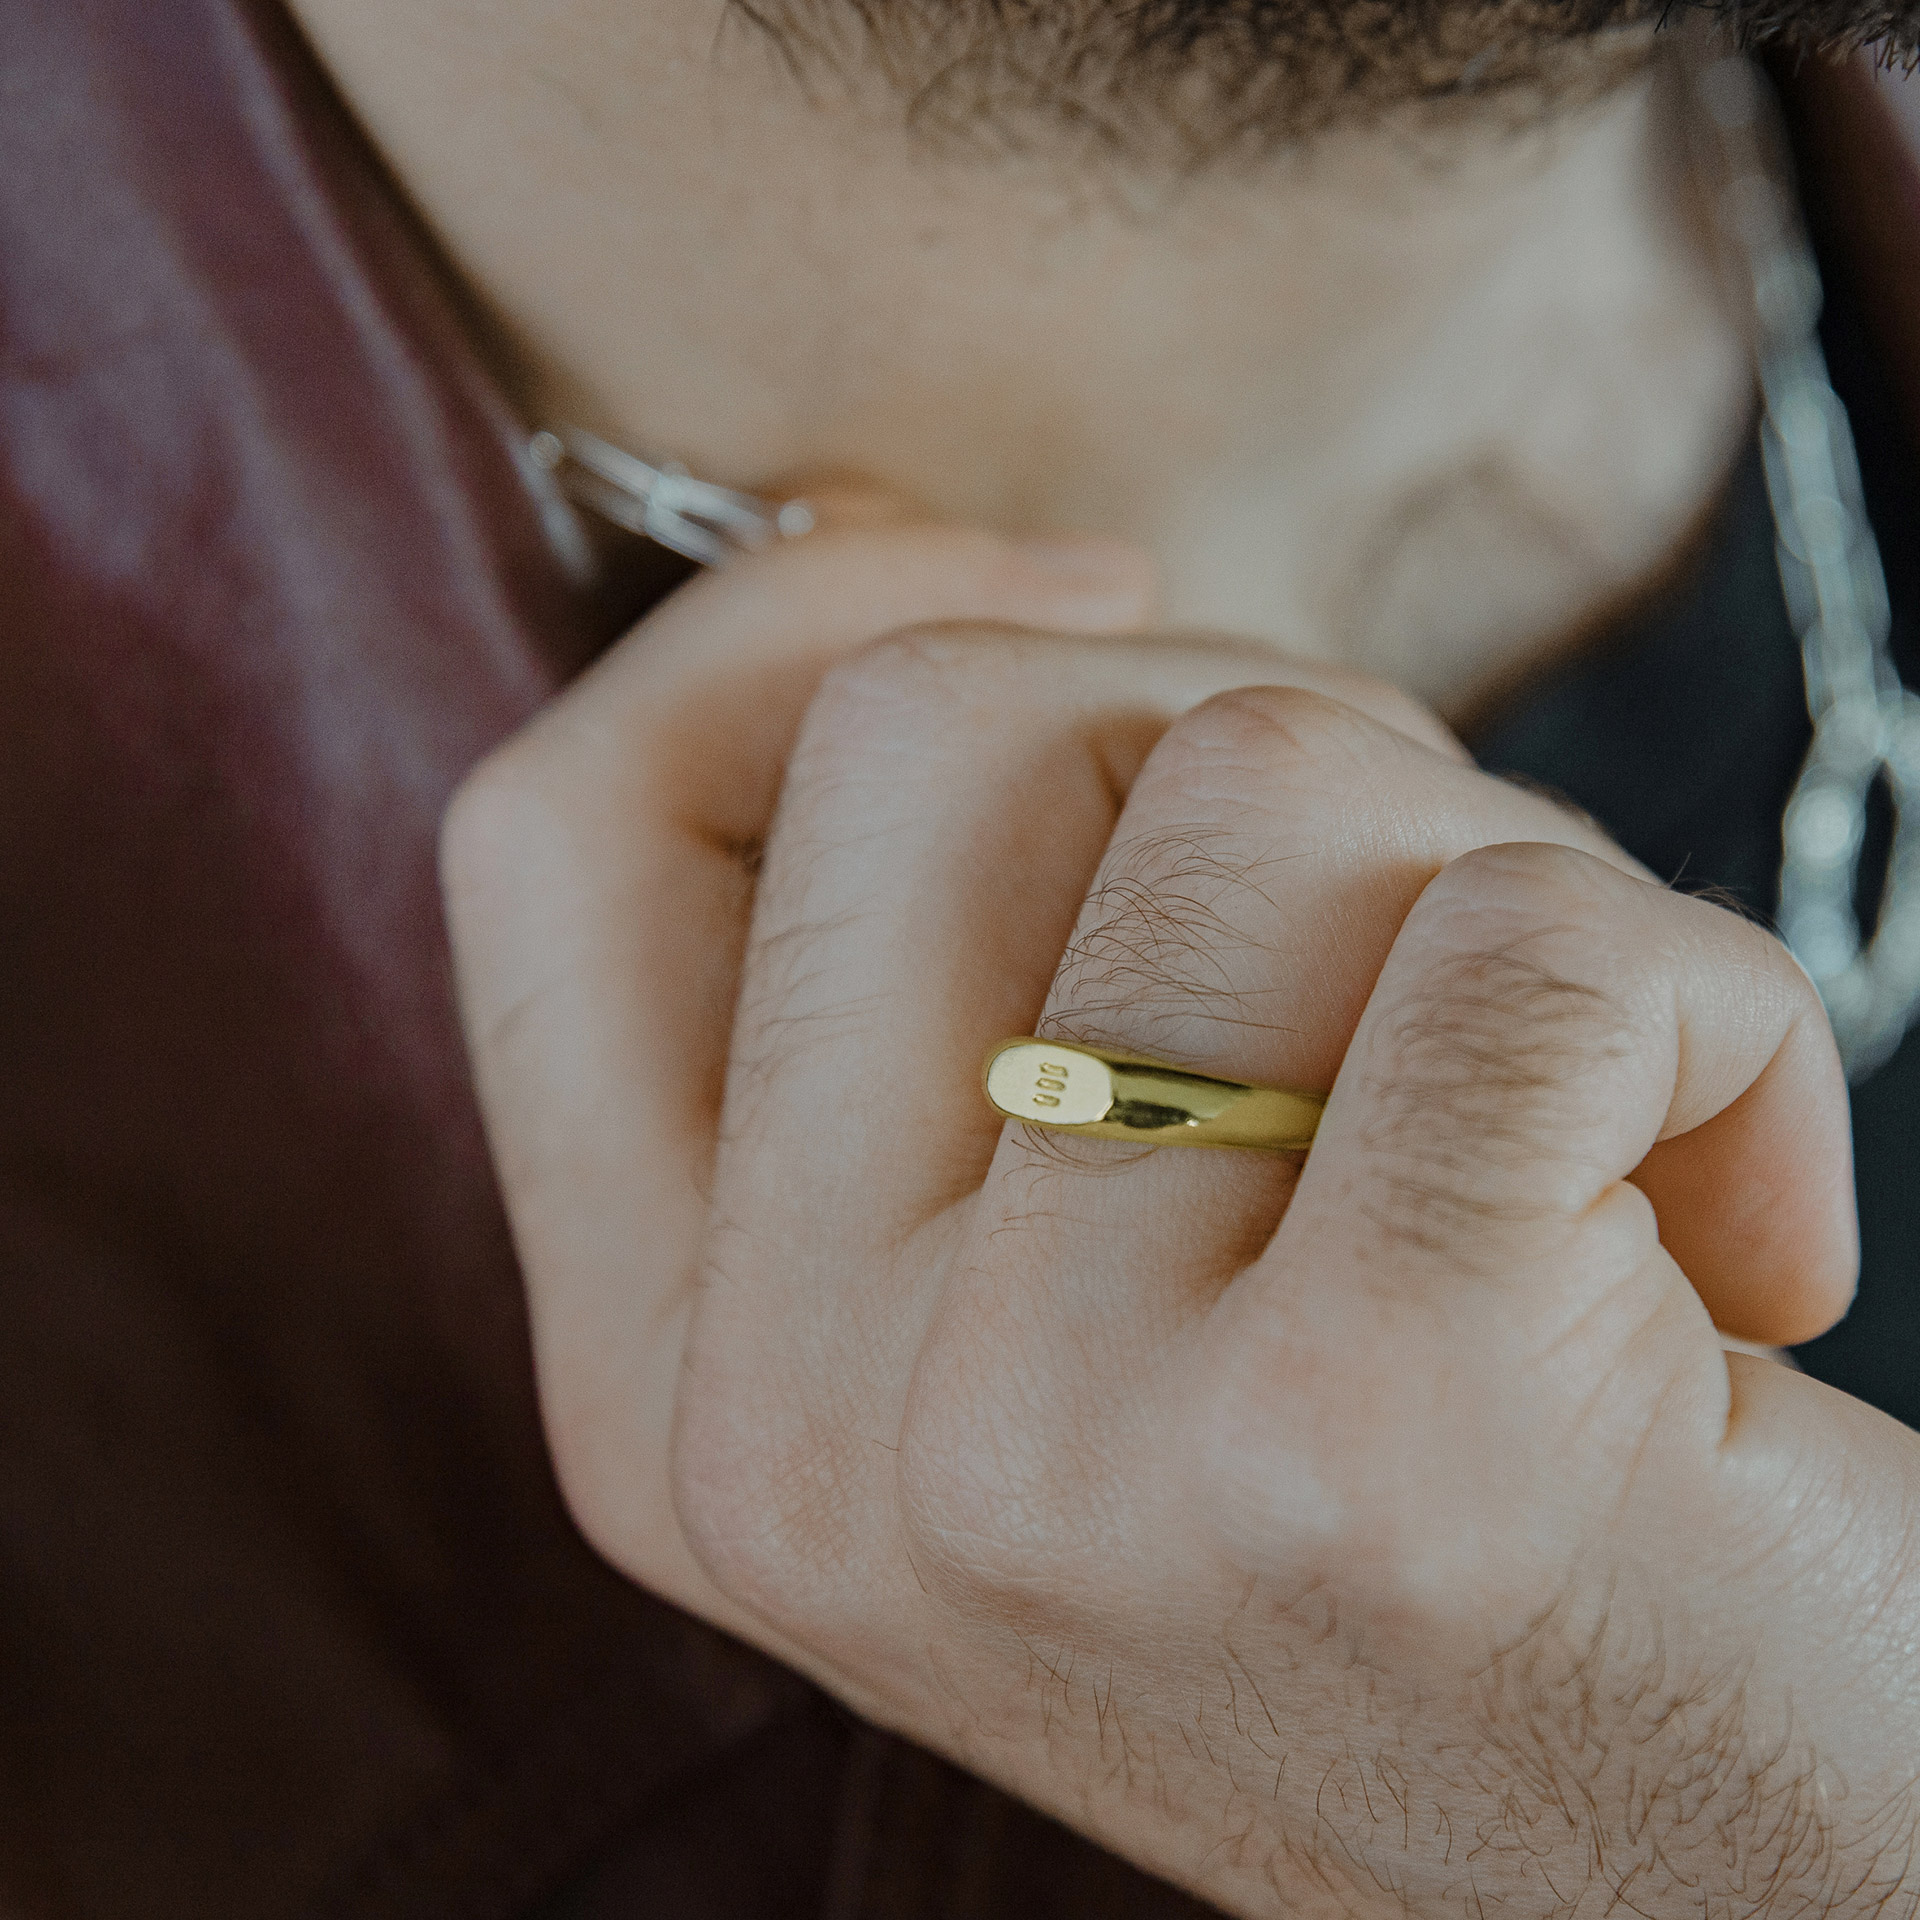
x,y
1118,1096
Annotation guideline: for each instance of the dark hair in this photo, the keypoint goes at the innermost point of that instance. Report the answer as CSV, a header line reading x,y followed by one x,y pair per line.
x,y
1202,79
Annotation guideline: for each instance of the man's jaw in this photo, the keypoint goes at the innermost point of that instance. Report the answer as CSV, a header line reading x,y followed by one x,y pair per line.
x,y
1197,82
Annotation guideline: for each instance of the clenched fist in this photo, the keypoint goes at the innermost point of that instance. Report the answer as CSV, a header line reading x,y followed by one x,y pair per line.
x,y
1382,1532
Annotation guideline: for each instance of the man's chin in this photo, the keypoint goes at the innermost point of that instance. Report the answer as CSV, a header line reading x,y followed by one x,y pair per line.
x,y
1195,81
1199,80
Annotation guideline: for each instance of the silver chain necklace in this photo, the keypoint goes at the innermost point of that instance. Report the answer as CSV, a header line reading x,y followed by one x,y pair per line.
x,y
666,503
1866,726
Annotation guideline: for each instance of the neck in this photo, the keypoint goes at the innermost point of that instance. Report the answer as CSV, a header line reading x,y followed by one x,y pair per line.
x,y
1425,404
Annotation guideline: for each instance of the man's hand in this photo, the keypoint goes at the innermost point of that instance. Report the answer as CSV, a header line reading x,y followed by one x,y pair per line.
x,y
1386,1533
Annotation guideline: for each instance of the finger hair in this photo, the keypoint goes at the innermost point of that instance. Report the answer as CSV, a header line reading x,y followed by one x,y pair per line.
x,y
1154,956
1473,1080
1594,1697
1595,1762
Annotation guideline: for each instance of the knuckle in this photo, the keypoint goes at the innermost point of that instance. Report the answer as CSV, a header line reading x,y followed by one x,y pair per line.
x,y
908,674
1538,881
1470,1138
1293,733
1471,1131
1304,1500
766,1476
1523,933
1296,1464
1493,1028
993,1515
760,1503
1395,708
1015,1483
1187,934
763,1525
880,670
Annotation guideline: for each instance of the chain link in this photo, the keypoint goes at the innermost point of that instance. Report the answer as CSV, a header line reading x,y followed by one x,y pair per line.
x,y
1866,725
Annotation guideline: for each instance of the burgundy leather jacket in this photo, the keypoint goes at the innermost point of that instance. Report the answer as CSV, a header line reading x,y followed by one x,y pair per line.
x,y
292,1621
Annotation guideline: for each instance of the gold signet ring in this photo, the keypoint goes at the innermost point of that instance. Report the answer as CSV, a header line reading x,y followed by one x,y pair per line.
x,y
1118,1096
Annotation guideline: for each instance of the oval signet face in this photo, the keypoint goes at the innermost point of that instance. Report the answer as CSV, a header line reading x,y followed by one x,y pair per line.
x,y
1036,1080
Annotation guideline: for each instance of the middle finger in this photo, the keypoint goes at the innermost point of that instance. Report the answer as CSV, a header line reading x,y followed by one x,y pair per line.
x,y
1266,857
946,805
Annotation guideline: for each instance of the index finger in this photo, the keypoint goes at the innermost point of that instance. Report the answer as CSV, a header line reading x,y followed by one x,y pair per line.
x,y
611,842
598,874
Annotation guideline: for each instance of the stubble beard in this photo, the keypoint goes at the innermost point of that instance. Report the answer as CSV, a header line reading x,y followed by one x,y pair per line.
x,y
1201,82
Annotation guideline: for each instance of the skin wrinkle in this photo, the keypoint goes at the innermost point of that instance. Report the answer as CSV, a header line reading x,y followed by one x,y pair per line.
x,y
1202,80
